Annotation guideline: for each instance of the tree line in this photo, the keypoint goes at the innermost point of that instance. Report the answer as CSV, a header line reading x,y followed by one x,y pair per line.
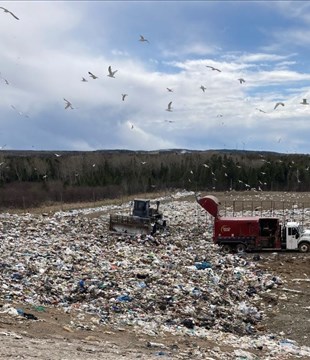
x,y
33,178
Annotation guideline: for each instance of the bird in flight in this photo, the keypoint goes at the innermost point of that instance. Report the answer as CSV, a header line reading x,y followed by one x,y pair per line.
x,y
92,75
278,104
241,80
5,80
19,112
111,73
84,80
9,12
170,90
203,88
143,39
213,68
169,108
261,110
68,104
57,155
304,102
123,96
169,121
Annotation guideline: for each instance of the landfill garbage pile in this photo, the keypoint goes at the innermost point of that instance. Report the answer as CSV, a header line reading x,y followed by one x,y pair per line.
x,y
176,281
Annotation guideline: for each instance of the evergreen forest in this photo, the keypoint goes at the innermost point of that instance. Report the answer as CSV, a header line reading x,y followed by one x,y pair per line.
x,y
33,178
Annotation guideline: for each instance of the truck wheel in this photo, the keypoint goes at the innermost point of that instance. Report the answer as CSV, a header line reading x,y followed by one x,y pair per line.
x,y
240,248
226,249
304,247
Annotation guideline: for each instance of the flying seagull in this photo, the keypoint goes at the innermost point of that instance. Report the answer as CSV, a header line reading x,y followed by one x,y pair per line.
x,y
213,68
304,102
84,80
92,75
68,104
111,73
241,80
123,96
203,88
169,108
261,110
9,12
19,112
5,80
170,90
143,39
277,104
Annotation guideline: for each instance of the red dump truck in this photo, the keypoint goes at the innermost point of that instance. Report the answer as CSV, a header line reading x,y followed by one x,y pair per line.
x,y
254,233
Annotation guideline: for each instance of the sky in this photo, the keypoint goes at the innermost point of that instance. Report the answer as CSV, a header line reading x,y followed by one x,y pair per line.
x,y
52,45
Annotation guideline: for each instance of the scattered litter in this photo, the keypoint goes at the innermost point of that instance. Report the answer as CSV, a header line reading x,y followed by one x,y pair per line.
x,y
182,284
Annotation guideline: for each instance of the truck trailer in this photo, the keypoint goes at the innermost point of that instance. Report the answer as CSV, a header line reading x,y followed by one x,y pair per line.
x,y
254,233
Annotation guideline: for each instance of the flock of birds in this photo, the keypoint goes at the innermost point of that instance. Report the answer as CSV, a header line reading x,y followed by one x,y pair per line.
x,y
111,73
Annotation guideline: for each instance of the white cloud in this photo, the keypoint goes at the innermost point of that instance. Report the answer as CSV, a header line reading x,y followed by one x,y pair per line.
x,y
47,52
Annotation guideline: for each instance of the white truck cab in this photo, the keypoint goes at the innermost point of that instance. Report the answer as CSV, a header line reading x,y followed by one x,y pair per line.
x,y
295,238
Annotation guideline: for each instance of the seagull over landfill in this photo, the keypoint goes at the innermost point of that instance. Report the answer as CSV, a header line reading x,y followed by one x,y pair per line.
x,y
261,110
92,75
241,80
9,12
84,80
5,80
111,73
170,90
203,88
123,96
304,102
169,108
19,112
143,39
68,104
213,68
277,104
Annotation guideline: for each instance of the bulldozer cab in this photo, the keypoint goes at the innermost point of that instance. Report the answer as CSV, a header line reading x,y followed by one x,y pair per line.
x,y
141,208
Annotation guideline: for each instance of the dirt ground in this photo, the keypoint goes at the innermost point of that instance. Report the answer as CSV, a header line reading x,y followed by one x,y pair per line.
x,y
51,337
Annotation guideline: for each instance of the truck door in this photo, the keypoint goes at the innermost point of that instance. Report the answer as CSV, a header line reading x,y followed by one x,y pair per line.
x,y
292,236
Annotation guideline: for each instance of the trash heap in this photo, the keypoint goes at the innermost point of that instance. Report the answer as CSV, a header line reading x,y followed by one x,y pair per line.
x,y
177,281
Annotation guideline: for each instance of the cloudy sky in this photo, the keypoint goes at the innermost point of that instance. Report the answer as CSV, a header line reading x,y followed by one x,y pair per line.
x,y
46,53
